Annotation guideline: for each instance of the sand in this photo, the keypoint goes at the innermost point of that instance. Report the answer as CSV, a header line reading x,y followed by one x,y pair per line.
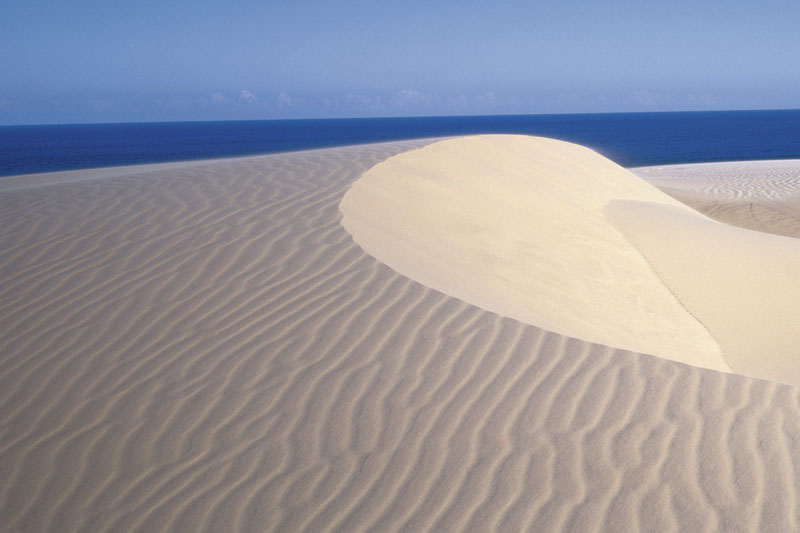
x,y
759,195
554,235
203,346
517,225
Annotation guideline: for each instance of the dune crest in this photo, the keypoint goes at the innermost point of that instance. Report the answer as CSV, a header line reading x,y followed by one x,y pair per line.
x,y
532,229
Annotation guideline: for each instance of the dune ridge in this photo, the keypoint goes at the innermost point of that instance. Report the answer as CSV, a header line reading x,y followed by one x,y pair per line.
x,y
204,348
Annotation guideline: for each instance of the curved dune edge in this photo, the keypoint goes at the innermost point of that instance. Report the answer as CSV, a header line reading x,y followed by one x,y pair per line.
x,y
554,235
742,284
516,225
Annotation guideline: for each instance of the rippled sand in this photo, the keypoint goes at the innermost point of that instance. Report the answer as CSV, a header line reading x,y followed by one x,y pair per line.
x,y
202,346
759,195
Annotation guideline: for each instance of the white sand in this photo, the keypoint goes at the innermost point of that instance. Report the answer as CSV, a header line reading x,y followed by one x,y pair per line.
x,y
203,347
516,225
555,235
759,195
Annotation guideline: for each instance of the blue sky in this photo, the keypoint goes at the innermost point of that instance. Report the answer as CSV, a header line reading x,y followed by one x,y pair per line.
x,y
112,61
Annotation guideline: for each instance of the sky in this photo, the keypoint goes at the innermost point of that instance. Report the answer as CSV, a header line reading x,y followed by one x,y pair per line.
x,y
130,61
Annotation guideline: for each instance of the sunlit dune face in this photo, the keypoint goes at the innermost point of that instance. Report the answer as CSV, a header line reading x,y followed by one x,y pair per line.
x,y
543,231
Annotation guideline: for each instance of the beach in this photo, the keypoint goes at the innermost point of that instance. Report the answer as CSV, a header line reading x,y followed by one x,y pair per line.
x,y
492,333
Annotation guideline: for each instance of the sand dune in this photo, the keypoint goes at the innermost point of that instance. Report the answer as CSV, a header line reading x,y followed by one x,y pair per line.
x,y
744,286
555,235
204,347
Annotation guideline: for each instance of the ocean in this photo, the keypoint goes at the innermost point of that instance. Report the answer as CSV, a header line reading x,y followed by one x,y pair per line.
x,y
630,139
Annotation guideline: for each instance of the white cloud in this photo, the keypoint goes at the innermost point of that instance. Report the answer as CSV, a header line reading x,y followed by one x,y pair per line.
x,y
365,100
283,100
459,99
411,99
704,100
218,97
487,99
458,103
247,96
411,95
649,99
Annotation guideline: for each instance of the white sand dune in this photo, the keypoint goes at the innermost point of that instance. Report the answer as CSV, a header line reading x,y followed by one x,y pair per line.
x,y
553,234
203,347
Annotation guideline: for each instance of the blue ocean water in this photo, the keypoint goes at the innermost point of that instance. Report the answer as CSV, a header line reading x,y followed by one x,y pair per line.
x,y
630,139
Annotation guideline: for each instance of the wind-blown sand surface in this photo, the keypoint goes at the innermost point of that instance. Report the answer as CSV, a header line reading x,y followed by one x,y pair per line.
x,y
203,346
759,195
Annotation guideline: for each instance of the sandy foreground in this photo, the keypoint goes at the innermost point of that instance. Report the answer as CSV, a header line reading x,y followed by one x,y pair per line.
x,y
208,346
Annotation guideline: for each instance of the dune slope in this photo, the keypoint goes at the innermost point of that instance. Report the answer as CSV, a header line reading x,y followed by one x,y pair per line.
x,y
743,285
758,195
555,235
516,225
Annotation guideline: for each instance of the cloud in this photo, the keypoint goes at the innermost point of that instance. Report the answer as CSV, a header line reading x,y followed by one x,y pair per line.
x,y
283,100
367,101
175,104
411,99
487,98
218,97
704,100
459,99
457,103
649,99
247,96
411,95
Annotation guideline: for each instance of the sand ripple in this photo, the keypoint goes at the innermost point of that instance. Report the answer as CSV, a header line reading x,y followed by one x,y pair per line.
x,y
759,195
